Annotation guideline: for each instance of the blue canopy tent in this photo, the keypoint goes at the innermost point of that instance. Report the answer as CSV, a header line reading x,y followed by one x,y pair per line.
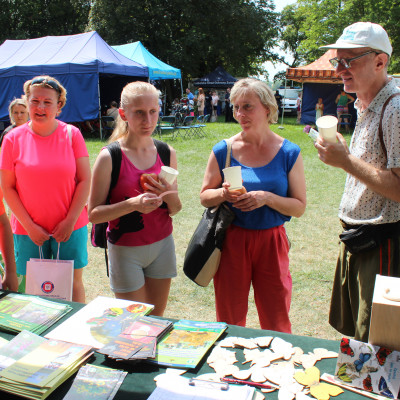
x,y
77,61
157,69
218,78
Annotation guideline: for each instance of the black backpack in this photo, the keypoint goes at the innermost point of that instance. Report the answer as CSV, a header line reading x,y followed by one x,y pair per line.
x,y
98,234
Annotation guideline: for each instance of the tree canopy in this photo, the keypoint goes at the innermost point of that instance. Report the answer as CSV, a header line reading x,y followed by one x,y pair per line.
x,y
194,36
321,22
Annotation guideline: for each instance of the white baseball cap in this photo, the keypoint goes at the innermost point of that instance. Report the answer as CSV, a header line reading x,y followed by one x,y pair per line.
x,y
363,34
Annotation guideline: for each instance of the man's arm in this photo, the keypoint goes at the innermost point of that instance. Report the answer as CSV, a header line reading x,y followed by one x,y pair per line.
x,y
382,181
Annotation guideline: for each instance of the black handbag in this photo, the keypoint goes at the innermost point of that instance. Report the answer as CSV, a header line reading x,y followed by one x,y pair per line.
x,y
204,250
203,253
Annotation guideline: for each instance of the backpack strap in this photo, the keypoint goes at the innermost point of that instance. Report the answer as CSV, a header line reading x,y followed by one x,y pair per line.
x,y
228,152
69,130
380,122
164,151
114,149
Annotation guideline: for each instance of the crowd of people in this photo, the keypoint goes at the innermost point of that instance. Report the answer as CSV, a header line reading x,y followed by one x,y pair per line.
x,y
47,183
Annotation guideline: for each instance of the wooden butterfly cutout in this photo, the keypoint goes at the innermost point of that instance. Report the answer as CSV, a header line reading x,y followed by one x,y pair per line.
x,y
319,390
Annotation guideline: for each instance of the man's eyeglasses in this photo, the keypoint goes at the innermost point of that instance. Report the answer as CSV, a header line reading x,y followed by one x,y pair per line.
x,y
346,62
49,82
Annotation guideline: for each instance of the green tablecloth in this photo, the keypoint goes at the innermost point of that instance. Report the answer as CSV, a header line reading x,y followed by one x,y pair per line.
x,y
139,383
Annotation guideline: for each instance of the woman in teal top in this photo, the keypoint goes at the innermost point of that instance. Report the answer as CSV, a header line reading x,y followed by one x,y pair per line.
x,y
256,247
343,100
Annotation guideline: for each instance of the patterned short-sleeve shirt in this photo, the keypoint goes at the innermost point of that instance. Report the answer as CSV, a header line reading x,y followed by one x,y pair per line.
x,y
361,205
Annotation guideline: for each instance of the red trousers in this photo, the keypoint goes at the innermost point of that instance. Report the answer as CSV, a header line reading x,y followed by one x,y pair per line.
x,y
260,258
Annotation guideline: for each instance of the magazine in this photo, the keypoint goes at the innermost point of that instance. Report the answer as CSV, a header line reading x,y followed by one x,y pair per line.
x,y
187,343
20,312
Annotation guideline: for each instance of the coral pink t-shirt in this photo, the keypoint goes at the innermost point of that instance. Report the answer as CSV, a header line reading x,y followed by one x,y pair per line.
x,y
45,170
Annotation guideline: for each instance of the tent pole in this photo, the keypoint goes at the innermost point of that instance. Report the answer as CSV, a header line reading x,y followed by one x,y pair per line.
x,y
181,89
98,92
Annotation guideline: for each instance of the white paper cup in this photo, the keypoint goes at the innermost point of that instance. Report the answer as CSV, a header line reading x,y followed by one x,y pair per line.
x,y
327,127
169,174
233,175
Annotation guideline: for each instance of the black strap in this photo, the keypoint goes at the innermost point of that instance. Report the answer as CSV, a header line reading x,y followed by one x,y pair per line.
x,y
164,151
114,149
380,122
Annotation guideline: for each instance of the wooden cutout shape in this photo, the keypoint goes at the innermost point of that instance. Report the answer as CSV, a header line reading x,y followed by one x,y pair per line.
x,y
319,390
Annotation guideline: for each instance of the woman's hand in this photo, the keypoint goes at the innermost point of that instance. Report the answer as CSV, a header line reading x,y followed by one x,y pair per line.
x,y
62,232
37,234
251,200
146,202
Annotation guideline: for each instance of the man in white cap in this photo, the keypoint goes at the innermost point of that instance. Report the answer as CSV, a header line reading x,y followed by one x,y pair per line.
x,y
372,190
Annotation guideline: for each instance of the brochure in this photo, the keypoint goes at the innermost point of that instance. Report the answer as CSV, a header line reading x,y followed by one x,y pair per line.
x,y
99,322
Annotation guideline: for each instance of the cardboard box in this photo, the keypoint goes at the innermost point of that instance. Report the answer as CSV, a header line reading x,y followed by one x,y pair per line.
x,y
385,317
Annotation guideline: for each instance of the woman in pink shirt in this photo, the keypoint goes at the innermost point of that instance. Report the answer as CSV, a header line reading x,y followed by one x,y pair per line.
x,y
45,177
139,235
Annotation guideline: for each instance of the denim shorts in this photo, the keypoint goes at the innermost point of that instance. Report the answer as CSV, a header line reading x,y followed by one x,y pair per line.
x,y
74,249
130,265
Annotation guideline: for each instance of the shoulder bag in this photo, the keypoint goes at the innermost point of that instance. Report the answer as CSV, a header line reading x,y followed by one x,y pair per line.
x,y
203,254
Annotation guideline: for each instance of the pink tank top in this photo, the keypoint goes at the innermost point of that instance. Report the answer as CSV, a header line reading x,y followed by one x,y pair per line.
x,y
137,229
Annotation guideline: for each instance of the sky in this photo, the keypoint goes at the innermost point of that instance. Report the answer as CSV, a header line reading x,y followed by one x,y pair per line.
x,y
272,70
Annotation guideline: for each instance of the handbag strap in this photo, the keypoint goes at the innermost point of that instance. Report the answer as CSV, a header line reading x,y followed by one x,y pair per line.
x,y
380,123
228,152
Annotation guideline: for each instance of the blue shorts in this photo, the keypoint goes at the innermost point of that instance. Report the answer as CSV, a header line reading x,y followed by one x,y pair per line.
x,y
129,265
75,249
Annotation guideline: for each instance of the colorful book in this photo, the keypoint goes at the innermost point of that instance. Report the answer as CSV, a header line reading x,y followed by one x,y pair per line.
x,y
39,372
187,343
20,312
99,322
95,383
369,367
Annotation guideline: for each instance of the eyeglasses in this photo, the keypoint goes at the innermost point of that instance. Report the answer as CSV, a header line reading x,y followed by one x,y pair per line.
x,y
346,62
49,82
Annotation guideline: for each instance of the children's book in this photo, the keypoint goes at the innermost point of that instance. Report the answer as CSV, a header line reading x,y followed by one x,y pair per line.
x,y
99,322
372,368
187,343
20,312
95,383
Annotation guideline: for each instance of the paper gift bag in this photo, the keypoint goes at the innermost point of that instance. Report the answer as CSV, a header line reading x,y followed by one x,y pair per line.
x,y
50,278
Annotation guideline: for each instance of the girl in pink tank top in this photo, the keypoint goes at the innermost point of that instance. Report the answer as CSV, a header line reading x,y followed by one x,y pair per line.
x,y
139,217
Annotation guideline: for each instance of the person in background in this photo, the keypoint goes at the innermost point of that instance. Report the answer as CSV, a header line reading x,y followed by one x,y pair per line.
x,y
298,107
140,243
45,177
112,112
208,106
201,101
10,280
256,248
342,101
372,190
189,94
278,99
18,113
319,109
214,102
228,106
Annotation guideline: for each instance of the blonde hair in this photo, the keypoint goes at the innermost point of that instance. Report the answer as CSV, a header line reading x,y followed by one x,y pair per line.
x,y
47,83
262,90
129,92
17,102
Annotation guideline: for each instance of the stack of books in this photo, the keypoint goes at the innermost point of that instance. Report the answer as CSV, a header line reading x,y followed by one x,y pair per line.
x,y
33,367
20,312
138,340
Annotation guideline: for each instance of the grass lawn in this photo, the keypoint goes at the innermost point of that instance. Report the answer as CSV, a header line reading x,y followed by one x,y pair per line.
x,y
314,236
